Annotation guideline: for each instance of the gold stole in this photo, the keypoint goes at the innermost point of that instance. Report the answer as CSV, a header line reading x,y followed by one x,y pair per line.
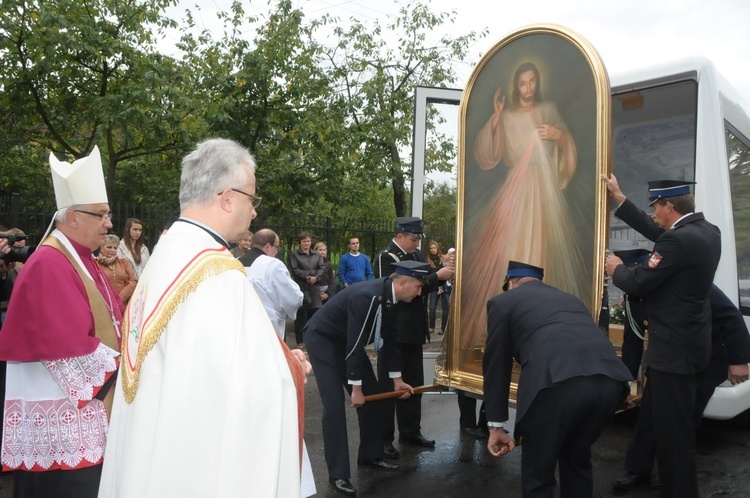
x,y
103,326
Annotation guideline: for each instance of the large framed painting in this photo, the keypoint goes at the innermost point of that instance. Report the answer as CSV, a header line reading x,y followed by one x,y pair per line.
x,y
533,141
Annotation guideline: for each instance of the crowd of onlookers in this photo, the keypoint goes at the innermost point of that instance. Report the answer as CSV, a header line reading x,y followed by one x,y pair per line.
x,y
123,260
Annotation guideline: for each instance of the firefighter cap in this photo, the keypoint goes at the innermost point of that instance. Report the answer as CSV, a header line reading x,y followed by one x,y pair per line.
x,y
632,257
662,189
517,269
410,224
415,269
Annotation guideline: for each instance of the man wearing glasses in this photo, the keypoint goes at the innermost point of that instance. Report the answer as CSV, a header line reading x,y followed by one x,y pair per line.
x,y
61,339
206,383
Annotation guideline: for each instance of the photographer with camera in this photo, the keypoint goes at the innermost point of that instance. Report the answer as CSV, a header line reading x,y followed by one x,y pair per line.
x,y
13,249
14,242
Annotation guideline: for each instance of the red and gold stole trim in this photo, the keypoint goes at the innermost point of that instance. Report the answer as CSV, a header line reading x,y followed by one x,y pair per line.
x,y
204,265
298,375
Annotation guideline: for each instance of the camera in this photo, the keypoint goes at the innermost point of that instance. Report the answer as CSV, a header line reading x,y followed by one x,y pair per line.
x,y
20,254
13,237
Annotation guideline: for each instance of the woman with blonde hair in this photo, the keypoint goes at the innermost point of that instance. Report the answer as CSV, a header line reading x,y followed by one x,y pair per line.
x,y
328,278
117,270
132,247
435,259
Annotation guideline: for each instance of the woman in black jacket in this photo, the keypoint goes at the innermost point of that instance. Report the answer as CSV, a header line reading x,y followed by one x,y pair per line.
x,y
307,270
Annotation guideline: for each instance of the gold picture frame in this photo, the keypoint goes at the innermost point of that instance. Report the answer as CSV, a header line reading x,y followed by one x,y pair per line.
x,y
529,188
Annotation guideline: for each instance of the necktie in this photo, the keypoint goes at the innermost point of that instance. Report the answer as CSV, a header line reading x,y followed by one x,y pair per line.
x,y
378,323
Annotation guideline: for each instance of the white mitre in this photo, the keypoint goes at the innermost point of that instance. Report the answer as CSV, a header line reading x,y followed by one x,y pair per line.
x,y
79,183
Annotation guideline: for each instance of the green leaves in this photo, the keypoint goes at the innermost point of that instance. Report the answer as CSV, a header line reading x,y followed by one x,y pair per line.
x,y
325,106
87,73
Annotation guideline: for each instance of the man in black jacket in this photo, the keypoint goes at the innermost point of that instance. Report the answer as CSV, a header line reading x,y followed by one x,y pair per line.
x,y
730,355
676,283
336,338
571,381
410,330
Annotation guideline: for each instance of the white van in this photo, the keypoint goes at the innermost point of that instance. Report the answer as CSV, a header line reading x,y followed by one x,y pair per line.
x,y
684,121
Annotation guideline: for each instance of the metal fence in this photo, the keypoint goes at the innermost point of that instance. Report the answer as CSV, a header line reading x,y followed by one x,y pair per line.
x,y
34,217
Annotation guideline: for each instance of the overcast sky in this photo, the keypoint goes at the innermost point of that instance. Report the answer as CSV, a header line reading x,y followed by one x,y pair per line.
x,y
628,34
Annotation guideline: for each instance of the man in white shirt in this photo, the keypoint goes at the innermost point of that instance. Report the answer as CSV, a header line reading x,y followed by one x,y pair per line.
x,y
280,294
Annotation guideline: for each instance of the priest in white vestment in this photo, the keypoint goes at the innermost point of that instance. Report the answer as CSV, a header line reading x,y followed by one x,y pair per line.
x,y
280,294
210,400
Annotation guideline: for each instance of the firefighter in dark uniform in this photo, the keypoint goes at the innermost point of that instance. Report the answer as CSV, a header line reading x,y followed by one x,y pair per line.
x,y
676,282
730,355
336,337
410,330
570,385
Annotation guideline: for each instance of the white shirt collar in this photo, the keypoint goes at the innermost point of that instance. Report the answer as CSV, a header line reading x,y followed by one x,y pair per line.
x,y
681,217
402,249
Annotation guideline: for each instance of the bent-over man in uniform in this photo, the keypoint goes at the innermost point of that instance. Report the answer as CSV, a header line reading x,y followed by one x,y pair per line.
x,y
410,331
676,283
336,338
571,381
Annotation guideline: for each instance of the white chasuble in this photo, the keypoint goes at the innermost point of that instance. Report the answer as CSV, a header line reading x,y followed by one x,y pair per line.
x,y
206,404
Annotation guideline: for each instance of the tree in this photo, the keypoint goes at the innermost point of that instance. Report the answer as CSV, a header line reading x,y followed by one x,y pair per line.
x,y
78,74
272,95
440,213
376,68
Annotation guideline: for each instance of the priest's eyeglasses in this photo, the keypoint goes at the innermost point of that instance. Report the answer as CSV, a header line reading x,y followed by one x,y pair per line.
x,y
253,198
101,216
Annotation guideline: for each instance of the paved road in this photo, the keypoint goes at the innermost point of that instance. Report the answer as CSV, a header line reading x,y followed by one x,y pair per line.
x,y
460,466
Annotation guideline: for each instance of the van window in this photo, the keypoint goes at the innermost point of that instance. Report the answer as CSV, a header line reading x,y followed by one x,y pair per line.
x,y
653,138
738,150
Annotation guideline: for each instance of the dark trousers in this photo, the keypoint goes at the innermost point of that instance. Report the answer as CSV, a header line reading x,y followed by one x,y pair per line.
x,y
81,483
408,412
331,380
558,430
303,315
632,345
467,408
666,428
443,300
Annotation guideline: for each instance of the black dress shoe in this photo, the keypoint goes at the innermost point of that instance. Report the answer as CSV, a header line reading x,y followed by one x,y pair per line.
x,y
630,481
390,452
343,486
418,440
377,464
655,480
475,432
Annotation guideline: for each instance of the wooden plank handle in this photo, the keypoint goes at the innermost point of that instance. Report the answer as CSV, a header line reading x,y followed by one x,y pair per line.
x,y
400,392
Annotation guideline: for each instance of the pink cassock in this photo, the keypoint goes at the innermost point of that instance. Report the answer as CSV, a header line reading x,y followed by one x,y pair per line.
x,y
49,316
